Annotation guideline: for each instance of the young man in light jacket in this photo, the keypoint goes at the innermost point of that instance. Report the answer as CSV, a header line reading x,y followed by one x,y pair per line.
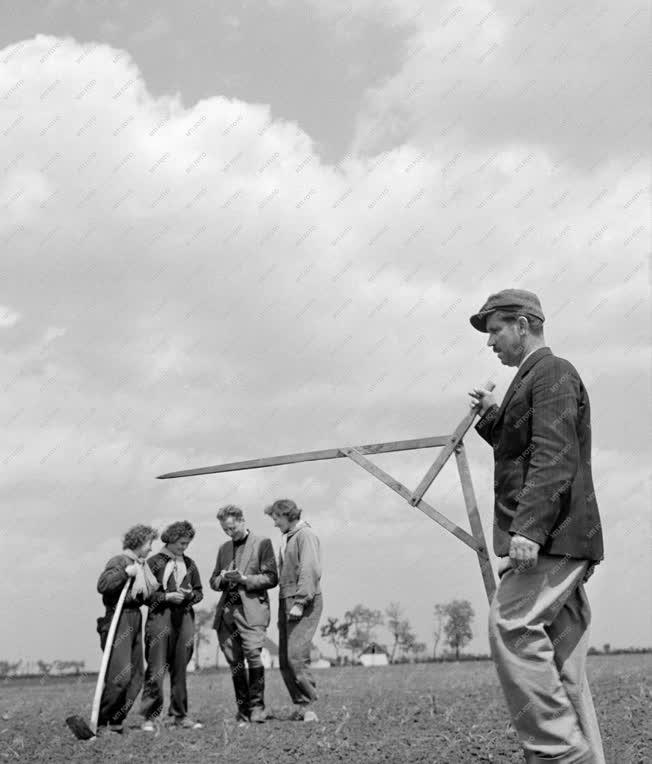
x,y
300,603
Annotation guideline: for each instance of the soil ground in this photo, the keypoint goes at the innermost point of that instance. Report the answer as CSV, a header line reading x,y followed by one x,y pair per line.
x,y
444,713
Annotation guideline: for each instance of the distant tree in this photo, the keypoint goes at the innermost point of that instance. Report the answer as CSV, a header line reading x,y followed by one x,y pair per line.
x,y
203,623
7,668
457,626
44,667
408,637
440,615
363,622
336,633
68,667
405,640
395,625
606,647
417,649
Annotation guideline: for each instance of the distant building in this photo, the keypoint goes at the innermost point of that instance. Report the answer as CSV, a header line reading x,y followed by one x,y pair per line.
x,y
374,655
268,655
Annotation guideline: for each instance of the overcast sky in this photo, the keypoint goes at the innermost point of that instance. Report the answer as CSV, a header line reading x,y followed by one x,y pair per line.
x,y
239,229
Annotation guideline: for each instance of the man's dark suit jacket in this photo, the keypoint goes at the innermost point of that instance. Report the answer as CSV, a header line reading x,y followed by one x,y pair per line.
x,y
541,436
259,565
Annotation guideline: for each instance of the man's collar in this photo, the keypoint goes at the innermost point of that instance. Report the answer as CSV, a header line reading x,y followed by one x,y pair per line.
x,y
534,350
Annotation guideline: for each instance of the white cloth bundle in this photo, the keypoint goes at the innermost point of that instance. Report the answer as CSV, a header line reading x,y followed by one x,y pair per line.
x,y
144,581
176,566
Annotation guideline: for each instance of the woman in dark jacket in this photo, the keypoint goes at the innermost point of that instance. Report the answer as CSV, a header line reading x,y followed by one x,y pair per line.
x,y
124,677
170,628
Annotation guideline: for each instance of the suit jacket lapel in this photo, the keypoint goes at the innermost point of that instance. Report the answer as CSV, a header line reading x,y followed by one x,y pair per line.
x,y
247,552
229,554
516,382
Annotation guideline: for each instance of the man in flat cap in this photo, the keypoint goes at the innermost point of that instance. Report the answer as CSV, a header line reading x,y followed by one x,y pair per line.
x,y
547,532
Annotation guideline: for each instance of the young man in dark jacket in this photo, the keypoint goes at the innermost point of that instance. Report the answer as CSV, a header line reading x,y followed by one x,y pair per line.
x,y
244,571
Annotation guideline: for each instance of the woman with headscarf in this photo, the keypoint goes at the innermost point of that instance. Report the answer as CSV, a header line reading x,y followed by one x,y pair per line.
x,y
170,628
124,677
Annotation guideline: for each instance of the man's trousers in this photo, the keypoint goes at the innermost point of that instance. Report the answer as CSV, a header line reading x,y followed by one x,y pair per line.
x,y
238,640
539,632
295,638
169,637
124,675
239,643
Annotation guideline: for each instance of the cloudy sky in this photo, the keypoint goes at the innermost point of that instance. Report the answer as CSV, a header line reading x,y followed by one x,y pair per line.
x,y
238,229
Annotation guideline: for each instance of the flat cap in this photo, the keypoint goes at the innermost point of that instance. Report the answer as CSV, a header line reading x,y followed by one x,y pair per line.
x,y
525,303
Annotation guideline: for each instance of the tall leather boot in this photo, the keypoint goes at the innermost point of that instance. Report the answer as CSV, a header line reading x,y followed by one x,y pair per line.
x,y
257,694
241,687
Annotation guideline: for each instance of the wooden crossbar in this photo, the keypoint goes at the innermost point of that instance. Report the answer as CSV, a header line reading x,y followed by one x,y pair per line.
x,y
401,490
475,521
454,440
449,443
312,456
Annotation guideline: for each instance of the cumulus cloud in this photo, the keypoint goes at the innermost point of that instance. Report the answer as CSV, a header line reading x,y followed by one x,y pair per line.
x,y
570,80
193,285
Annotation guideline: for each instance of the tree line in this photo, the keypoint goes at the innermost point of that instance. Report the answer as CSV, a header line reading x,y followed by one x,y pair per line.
x,y
350,635
45,668
357,630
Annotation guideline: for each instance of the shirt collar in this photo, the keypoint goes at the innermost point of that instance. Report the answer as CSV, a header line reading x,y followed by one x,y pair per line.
x,y
525,356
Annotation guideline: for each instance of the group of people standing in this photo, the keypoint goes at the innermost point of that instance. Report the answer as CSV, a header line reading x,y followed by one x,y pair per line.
x,y
547,533
169,584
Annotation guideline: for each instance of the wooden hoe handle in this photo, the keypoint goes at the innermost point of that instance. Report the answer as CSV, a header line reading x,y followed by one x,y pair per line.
x,y
106,655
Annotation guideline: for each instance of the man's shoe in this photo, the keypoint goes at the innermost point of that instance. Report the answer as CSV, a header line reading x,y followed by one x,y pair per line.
x,y
118,728
310,716
257,715
297,715
242,717
187,723
147,726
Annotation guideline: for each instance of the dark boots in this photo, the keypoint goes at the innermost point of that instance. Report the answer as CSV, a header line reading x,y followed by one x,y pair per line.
x,y
241,687
250,694
257,694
